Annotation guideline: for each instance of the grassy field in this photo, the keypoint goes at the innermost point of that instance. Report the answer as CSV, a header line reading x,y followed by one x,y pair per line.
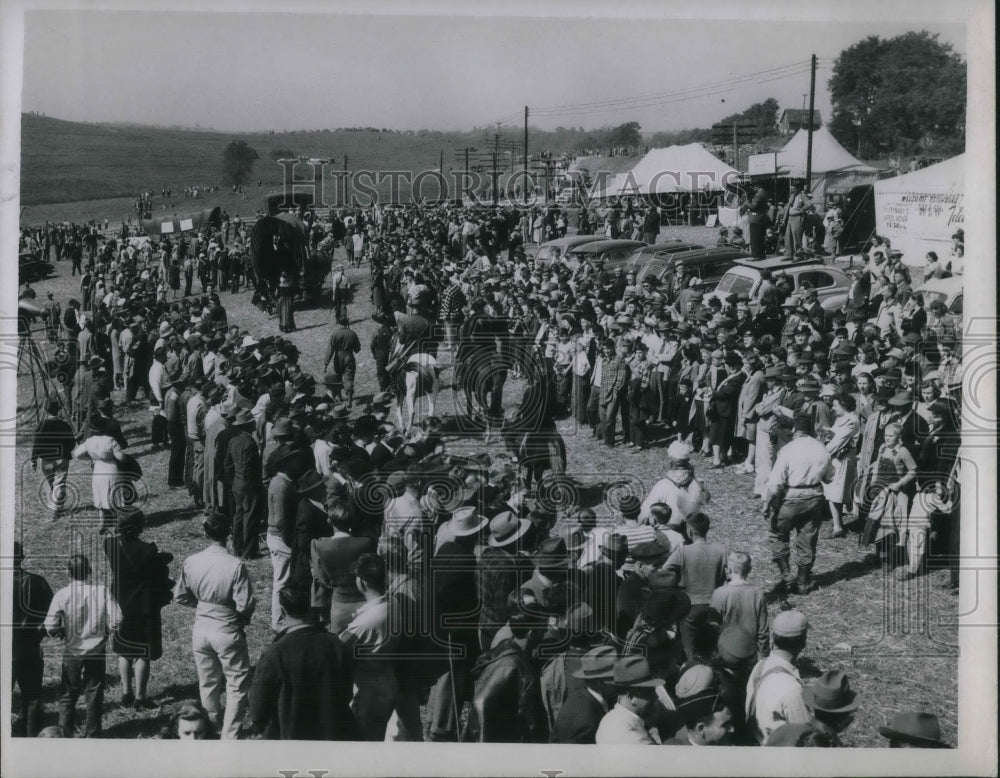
x,y
899,646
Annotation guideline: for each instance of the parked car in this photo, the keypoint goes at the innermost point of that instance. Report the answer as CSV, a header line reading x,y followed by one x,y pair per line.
x,y
615,253
708,264
556,250
950,291
743,278
32,268
658,253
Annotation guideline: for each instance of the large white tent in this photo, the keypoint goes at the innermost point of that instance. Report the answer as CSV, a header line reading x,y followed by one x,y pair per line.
x,y
831,163
672,170
920,211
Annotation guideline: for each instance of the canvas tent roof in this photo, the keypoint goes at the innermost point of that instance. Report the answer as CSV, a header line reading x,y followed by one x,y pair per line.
x,y
828,156
689,168
920,211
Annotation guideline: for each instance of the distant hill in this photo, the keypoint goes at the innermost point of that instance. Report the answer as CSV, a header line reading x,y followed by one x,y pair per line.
x,y
64,161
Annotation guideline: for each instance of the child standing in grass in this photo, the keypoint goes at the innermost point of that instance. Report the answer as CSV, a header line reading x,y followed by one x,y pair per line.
x,y
741,603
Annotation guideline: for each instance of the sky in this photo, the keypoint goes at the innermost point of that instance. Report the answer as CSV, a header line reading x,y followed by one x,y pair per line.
x,y
256,72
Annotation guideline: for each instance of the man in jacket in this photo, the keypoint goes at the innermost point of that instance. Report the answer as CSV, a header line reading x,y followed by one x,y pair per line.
x,y
581,713
303,681
507,701
797,205
32,597
242,469
340,351
51,451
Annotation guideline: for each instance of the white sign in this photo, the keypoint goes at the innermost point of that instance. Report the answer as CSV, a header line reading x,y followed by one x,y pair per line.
x,y
762,164
166,227
187,224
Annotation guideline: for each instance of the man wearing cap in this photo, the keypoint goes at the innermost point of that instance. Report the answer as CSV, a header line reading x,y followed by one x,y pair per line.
x,y
218,586
703,709
581,713
624,724
633,592
680,489
793,499
500,570
774,691
242,468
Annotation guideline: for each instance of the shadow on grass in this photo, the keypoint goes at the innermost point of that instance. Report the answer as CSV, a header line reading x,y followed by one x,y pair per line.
x,y
159,518
857,568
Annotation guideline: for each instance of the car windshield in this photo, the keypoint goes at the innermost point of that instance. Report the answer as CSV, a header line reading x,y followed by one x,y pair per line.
x,y
933,297
732,283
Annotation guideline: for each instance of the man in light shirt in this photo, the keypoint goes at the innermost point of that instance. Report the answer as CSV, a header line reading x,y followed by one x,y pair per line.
x,y
83,614
774,690
624,724
218,586
793,499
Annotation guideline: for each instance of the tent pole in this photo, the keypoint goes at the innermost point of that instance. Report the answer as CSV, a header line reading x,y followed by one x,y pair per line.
x,y
812,107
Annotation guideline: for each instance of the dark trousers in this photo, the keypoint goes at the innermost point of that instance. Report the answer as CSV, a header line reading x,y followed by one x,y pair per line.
x,y
26,672
178,449
689,623
609,420
247,508
449,694
804,515
158,430
82,674
758,230
188,280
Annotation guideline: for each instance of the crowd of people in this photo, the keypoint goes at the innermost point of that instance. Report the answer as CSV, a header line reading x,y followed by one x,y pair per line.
x,y
421,593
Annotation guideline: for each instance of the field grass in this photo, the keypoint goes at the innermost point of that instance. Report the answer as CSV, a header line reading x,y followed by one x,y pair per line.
x,y
898,646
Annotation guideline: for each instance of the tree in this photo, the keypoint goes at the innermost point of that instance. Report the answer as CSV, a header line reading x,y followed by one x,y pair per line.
x,y
237,162
626,135
900,95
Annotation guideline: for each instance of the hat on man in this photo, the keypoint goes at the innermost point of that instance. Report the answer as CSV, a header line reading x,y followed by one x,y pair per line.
x,y
506,528
920,729
884,394
790,624
332,379
311,484
130,518
736,645
340,412
243,419
165,329
381,398
283,428
633,672
679,452
551,553
629,506
466,521
901,398
832,693
228,411
694,682
808,385
773,372
597,664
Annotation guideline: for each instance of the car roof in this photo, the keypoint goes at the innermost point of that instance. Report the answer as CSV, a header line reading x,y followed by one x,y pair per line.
x,y
947,286
776,263
713,254
572,240
601,246
670,247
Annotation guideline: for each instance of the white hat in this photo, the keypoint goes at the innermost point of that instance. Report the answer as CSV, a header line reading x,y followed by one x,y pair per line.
x,y
248,341
678,451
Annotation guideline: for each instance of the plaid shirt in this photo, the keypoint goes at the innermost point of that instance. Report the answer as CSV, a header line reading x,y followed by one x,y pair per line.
x,y
452,302
642,370
614,376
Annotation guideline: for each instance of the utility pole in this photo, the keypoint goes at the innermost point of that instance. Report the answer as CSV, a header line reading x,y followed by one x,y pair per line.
x,y
441,162
525,158
736,147
345,180
812,107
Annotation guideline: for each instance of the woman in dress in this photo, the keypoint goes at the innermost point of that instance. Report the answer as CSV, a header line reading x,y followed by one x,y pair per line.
x,y
106,455
842,448
892,485
141,586
286,301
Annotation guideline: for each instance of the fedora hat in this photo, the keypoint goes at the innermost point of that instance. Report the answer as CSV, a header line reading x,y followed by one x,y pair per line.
x,y
598,663
616,544
551,552
901,398
921,729
467,521
243,418
632,672
283,428
340,413
832,693
506,528
311,483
